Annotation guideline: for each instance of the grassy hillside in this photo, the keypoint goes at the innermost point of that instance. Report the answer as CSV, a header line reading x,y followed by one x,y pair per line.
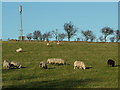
x,y
94,55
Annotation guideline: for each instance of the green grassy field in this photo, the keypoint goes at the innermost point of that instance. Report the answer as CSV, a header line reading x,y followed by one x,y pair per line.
x,y
94,55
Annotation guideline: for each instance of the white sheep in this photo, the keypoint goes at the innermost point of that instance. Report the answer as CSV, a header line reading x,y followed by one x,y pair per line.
x,y
79,64
59,61
56,61
51,61
15,64
6,64
19,50
43,65
45,40
58,43
48,44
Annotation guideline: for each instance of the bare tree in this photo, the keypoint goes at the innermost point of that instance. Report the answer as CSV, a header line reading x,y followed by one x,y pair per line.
x,y
106,31
78,39
29,36
70,29
44,36
117,32
88,35
47,36
37,35
112,39
61,36
55,34
92,37
101,38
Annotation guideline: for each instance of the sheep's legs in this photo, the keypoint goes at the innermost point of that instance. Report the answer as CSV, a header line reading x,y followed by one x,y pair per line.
x,y
74,67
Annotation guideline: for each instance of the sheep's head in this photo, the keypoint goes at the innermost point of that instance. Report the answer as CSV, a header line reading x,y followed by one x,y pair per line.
x,y
20,48
5,61
20,66
83,68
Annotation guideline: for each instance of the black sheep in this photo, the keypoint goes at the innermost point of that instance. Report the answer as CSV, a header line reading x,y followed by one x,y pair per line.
x,y
110,62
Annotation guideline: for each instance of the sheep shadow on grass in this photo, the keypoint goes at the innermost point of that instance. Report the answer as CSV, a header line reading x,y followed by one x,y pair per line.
x,y
67,64
24,51
88,67
114,66
48,68
17,68
51,68
117,66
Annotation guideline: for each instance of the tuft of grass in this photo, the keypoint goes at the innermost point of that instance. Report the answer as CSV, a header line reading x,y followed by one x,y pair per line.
x,y
94,55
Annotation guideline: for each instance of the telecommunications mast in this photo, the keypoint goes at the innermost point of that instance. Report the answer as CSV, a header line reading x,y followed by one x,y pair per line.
x,y
21,31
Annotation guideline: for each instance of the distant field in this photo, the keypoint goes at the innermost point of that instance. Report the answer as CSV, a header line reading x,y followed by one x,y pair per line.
x,y
94,55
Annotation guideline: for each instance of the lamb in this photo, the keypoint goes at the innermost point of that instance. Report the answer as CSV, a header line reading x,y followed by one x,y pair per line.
x,y
6,64
19,50
43,65
15,64
110,62
79,64
56,61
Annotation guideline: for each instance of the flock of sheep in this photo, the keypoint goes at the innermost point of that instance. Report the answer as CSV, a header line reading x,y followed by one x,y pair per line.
x,y
42,64
48,43
59,61
12,64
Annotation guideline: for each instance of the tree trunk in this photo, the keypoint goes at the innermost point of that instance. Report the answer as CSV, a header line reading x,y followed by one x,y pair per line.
x,y
86,39
117,38
68,36
68,39
56,38
105,38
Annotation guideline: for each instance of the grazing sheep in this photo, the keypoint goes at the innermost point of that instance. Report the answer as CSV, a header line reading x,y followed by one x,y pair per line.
x,y
6,64
48,44
43,65
56,61
79,64
51,61
110,62
59,61
45,40
19,50
58,43
15,64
